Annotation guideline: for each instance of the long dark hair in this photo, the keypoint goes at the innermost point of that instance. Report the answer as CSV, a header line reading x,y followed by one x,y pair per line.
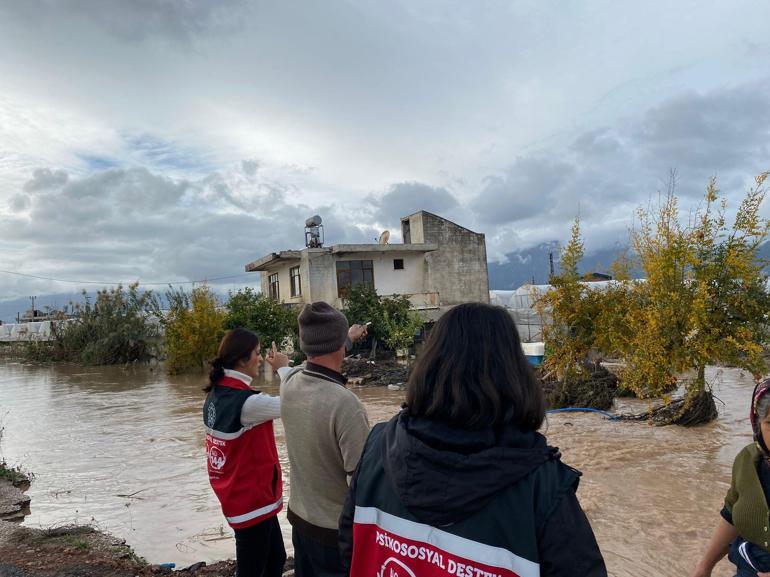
x,y
237,345
473,374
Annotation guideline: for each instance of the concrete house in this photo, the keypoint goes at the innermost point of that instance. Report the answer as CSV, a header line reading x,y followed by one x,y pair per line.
x,y
439,264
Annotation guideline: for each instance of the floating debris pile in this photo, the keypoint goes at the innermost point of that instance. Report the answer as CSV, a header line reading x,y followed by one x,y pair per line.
x,y
597,390
380,373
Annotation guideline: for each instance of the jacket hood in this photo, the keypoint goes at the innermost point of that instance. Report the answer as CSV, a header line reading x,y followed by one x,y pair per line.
x,y
443,474
760,390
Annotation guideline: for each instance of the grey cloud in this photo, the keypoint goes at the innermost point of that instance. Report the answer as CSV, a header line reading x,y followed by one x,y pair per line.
x,y
114,194
120,225
406,198
603,174
249,167
706,134
139,19
530,186
19,202
44,178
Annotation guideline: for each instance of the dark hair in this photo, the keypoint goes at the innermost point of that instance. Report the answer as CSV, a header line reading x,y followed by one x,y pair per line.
x,y
473,374
237,345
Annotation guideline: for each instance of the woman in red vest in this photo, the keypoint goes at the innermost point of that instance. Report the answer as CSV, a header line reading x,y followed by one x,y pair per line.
x,y
243,462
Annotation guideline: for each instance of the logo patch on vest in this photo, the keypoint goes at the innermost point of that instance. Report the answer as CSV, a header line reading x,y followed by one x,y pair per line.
x,y
216,458
394,568
212,415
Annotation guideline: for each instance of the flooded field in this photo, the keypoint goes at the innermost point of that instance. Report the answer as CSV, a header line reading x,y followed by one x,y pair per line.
x,y
123,449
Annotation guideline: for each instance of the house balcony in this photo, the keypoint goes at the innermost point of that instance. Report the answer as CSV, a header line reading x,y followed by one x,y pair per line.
x,y
419,301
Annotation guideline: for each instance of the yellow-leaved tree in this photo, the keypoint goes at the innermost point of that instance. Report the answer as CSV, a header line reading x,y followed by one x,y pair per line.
x,y
569,336
704,300
194,326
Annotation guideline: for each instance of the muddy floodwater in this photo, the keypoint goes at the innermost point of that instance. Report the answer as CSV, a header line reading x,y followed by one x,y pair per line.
x,y
123,449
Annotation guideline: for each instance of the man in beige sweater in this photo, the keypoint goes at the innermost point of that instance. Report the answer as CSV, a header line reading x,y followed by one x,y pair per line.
x,y
326,428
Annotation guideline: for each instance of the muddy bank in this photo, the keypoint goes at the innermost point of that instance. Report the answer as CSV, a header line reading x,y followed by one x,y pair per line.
x,y
14,503
84,551
75,550
81,551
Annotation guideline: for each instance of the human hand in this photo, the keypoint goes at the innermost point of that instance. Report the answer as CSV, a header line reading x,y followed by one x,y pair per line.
x,y
357,332
276,359
702,572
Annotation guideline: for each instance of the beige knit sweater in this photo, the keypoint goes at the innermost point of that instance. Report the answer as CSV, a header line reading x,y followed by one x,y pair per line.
x,y
326,427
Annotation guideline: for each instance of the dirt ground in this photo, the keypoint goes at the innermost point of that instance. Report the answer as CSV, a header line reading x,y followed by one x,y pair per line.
x,y
76,551
81,551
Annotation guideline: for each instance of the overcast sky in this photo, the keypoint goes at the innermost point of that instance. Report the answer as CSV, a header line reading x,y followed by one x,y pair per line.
x,y
175,141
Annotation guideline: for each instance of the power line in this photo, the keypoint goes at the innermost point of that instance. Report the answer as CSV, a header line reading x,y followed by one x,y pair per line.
x,y
124,282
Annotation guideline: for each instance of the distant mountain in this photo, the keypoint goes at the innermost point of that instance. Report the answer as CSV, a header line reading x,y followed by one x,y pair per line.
x,y
524,266
534,264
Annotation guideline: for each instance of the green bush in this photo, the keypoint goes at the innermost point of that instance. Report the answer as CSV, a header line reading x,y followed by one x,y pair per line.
x,y
400,322
265,316
118,327
393,322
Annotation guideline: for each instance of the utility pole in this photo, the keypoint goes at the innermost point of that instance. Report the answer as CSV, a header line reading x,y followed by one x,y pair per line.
x,y
550,260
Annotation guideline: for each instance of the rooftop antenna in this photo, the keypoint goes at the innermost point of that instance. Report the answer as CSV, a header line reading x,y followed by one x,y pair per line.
x,y
384,237
314,232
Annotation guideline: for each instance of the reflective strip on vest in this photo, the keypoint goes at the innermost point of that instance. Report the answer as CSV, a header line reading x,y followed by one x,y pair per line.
x,y
448,551
227,436
255,513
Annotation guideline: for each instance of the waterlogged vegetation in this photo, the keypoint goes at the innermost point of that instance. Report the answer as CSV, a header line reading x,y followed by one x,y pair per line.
x,y
118,326
704,300
129,325
193,327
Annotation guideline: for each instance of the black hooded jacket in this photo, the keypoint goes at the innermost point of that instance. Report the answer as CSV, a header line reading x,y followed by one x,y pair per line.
x,y
443,475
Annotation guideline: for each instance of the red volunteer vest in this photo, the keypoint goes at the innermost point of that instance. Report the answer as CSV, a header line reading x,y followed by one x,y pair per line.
x,y
243,463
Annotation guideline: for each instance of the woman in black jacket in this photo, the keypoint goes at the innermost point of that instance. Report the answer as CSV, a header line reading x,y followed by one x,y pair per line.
x,y
460,482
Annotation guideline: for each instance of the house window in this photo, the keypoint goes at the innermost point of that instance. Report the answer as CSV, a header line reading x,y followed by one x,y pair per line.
x,y
296,285
272,282
398,264
353,272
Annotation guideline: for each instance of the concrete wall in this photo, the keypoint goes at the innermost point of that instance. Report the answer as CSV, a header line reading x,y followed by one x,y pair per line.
x,y
322,276
458,269
388,281
284,282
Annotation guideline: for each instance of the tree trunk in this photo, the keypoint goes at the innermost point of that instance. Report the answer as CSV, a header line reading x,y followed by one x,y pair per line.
x,y
696,408
373,352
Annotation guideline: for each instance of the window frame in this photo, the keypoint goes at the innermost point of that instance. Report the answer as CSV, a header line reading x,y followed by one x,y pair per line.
x,y
295,285
345,275
274,286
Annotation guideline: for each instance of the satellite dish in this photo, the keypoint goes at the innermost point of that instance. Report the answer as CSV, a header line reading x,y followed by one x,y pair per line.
x,y
313,221
384,237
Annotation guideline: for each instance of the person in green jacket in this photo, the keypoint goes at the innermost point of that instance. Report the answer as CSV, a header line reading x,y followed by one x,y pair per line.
x,y
743,532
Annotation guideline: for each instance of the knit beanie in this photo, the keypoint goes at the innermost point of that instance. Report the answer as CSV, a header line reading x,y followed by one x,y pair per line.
x,y
322,329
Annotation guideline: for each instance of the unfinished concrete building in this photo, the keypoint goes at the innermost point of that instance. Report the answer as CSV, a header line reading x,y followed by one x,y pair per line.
x,y
439,264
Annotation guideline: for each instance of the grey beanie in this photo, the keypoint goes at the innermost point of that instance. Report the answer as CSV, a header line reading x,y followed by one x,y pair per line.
x,y
322,329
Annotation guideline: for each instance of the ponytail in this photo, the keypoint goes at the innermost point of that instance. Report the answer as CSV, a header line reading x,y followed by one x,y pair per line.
x,y
215,374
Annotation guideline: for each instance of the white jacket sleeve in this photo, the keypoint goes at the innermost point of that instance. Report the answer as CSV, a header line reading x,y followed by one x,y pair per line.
x,y
259,409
